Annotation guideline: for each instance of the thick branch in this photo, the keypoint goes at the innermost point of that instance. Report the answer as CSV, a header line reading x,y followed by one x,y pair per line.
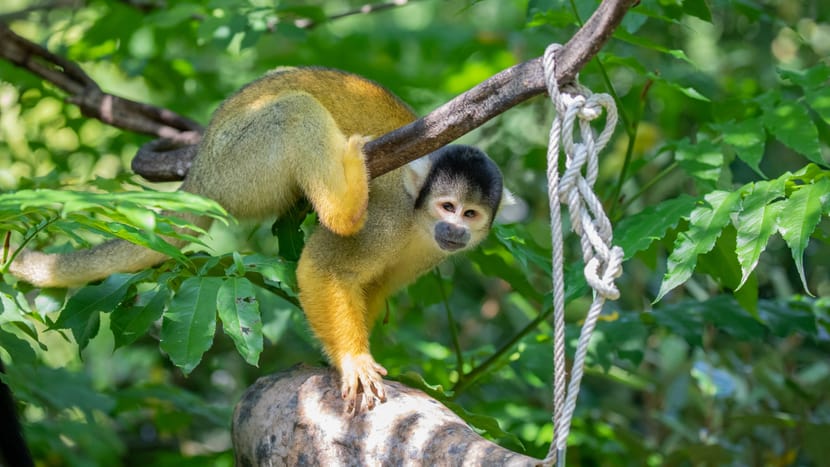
x,y
298,418
493,96
458,116
169,159
85,93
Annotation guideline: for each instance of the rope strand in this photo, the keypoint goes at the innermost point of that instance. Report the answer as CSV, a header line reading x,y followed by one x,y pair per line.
x,y
603,262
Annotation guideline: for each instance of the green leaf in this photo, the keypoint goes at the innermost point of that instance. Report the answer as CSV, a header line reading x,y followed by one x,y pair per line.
x,y
785,318
814,82
698,9
682,319
276,270
727,316
819,100
811,78
289,233
702,160
19,350
705,225
722,265
791,124
747,138
128,323
756,223
636,233
239,312
190,322
82,312
642,41
798,219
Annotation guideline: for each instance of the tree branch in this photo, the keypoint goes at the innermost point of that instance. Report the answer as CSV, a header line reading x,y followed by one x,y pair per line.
x,y
85,93
170,157
458,116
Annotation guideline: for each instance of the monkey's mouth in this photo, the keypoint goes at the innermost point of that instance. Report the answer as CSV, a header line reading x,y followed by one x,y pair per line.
x,y
450,245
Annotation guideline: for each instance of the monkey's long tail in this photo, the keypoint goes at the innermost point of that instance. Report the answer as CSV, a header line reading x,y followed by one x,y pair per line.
x,y
79,267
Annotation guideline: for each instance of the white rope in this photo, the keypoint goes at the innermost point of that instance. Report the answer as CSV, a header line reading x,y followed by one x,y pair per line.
x,y
603,263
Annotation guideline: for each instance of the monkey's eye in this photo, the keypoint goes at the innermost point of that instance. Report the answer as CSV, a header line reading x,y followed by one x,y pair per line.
x,y
449,207
470,214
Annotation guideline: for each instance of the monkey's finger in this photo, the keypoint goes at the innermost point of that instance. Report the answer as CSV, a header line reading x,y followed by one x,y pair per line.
x,y
348,390
380,369
367,383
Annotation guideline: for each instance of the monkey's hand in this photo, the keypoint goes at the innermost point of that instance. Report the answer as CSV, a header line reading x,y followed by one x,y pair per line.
x,y
360,373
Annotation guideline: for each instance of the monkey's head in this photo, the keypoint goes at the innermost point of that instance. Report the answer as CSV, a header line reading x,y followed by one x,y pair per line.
x,y
457,192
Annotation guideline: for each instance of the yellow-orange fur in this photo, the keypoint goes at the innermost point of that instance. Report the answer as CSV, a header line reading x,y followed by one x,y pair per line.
x,y
300,132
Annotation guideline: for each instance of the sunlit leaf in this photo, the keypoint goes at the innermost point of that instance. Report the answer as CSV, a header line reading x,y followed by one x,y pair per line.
x,y
747,138
702,160
791,124
798,219
705,225
756,223
637,232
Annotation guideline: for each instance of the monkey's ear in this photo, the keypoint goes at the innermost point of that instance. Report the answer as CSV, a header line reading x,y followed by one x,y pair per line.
x,y
511,209
507,199
414,175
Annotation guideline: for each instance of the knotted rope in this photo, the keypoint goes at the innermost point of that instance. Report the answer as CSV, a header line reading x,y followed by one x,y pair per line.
x,y
603,263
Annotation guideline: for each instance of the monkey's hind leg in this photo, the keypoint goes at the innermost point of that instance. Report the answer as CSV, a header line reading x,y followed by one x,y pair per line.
x,y
346,215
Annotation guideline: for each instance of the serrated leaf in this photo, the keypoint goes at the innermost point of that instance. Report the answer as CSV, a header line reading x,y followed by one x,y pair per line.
x,y
129,323
791,124
706,223
798,219
756,223
702,160
189,324
239,312
747,138
82,313
636,233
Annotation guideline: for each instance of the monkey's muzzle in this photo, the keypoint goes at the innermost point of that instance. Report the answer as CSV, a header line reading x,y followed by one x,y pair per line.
x,y
451,237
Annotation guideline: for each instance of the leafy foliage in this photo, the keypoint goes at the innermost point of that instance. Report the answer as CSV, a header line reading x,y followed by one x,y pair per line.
x,y
718,182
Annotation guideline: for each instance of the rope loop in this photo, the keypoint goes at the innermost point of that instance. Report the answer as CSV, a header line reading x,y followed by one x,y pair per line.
x,y
576,107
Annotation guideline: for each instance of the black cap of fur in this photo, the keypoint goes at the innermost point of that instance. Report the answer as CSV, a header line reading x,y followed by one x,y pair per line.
x,y
472,167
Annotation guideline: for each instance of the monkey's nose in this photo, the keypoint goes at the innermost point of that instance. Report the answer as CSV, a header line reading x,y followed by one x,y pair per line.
x,y
451,237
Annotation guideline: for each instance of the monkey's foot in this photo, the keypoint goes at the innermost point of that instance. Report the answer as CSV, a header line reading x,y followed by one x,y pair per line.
x,y
361,374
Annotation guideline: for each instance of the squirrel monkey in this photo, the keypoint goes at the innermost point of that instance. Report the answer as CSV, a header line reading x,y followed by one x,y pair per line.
x,y
300,132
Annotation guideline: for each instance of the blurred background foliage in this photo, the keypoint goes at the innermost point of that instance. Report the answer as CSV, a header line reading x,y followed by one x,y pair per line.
x,y
717,179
